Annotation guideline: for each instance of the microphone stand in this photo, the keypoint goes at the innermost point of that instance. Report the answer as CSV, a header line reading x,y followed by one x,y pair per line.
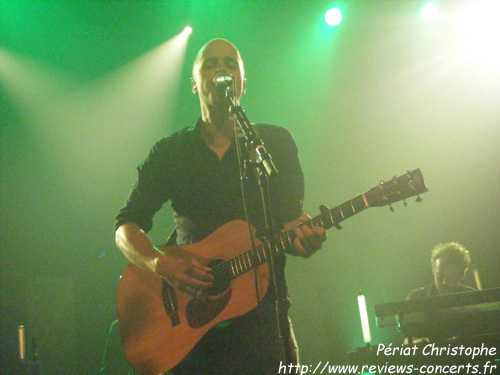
x,y
264,168
254,142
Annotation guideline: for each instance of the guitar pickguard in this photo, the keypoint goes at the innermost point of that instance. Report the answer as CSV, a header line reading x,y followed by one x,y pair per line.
x,y
201,311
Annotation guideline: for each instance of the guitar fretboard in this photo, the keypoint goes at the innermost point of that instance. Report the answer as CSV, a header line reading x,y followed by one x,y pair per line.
x,y
250,259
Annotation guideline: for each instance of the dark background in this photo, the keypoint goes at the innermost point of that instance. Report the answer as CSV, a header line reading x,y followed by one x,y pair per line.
x,y
87,87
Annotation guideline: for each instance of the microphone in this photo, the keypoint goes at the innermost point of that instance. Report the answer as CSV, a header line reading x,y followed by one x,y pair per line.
x,y
223,80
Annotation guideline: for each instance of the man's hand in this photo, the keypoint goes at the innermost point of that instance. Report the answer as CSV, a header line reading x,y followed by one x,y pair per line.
x,y
178,267
307,240
183,271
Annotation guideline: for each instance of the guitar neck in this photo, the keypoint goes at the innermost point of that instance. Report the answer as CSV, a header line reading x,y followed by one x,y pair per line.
x,y
260,254
336,215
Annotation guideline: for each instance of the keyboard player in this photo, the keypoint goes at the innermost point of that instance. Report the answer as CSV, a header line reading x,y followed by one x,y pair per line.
x,y
450,262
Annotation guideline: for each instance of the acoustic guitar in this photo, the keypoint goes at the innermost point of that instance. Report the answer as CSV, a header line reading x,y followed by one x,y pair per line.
x,y
159,324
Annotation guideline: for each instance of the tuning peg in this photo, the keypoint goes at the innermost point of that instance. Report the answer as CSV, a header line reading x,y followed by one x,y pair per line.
x,y
419,199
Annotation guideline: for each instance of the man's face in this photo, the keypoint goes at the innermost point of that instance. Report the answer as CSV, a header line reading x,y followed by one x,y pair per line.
x,y
218,58
447,276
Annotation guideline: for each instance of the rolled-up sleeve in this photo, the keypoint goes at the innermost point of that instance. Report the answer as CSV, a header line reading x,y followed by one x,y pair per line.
x,y
149,192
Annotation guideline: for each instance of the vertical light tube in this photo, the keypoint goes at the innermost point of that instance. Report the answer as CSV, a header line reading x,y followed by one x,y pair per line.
x,y
22,342
365,325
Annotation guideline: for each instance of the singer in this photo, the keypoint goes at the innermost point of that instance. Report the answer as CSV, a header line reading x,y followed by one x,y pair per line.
x,y
197,169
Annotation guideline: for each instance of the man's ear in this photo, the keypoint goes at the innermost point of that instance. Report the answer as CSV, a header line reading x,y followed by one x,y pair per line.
x,y
194,88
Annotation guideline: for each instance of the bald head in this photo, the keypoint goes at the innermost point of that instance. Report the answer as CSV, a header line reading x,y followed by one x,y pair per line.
x,y
216,45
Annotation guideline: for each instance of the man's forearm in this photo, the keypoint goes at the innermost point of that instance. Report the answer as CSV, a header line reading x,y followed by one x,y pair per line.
x,y
136,246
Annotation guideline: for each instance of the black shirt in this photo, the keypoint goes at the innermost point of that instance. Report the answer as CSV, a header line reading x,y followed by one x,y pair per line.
x,y
204,191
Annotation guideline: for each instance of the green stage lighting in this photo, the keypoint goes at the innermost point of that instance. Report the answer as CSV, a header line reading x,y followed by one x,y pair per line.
x,y
333,16
429,12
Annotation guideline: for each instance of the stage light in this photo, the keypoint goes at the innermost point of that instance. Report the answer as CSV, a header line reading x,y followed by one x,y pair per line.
x,y
333,16
429,12
188,30
363,313
481,34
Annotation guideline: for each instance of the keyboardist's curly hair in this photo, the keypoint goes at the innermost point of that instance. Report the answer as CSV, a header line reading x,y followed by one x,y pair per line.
x,y
453,252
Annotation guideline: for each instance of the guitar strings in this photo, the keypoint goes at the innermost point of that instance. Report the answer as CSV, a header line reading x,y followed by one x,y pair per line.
x,y
242,262
251,256
337,215
247,260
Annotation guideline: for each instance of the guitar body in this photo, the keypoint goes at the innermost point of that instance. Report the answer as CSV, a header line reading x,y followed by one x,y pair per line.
x,y
159,329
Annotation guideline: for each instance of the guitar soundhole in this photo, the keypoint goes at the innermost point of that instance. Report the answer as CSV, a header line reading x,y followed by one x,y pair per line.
x,y
222,277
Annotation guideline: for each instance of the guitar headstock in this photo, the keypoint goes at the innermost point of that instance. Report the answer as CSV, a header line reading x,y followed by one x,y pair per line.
x,y
399,188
